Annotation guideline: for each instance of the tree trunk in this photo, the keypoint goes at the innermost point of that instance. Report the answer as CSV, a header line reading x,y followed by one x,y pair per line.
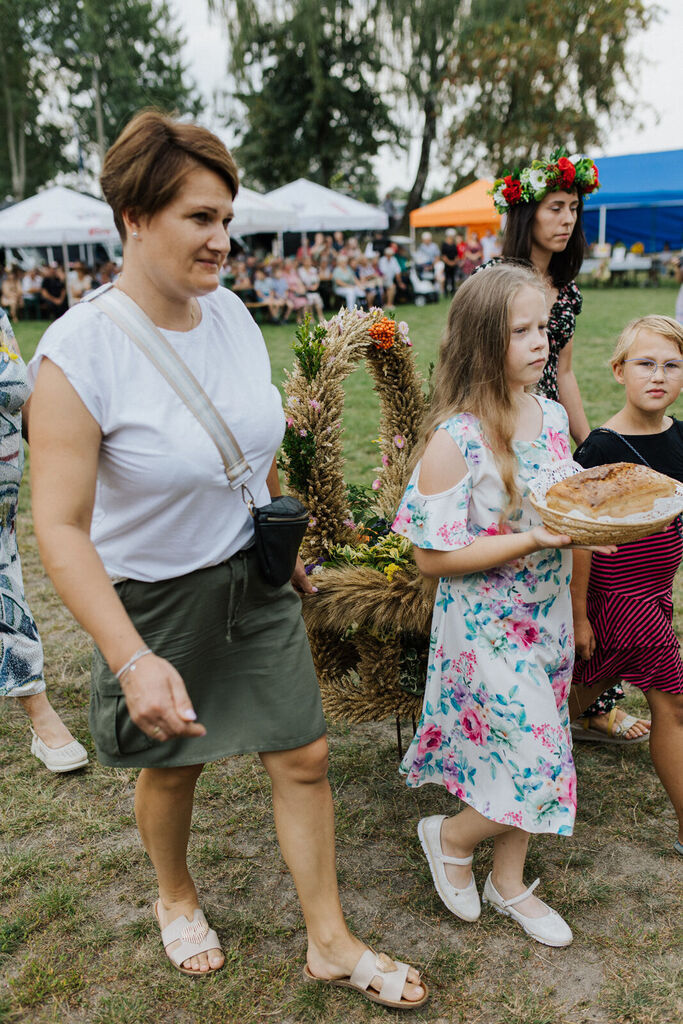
x,y
428,136
17,160
99,119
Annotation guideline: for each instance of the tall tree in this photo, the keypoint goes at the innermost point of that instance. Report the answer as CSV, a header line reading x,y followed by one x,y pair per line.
x,y
418,38
117,57
32,143
305,72
529,74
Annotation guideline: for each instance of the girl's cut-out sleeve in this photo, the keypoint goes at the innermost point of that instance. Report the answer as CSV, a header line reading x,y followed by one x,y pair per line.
x,y
435,521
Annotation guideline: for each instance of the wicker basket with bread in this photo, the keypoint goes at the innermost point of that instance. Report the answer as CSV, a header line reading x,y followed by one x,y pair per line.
x,y
611,504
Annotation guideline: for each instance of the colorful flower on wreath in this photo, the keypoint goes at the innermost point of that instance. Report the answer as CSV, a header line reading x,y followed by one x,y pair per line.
x,y
399,440
314,404
567,173
391,570
376,484
290,422
512,190
403,333
383,333
385,461
559,173
303,432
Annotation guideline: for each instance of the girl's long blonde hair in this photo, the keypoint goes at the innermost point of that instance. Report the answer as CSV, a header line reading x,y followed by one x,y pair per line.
x,y
470,375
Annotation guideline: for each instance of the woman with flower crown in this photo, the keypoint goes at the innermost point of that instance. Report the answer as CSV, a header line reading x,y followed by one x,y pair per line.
x,y
543,204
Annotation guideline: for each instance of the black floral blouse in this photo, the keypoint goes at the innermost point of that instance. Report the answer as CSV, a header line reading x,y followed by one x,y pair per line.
x,y
561,326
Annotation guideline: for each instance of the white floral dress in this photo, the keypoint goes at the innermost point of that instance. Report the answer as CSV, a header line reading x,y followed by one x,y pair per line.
x,y
494,728
21,652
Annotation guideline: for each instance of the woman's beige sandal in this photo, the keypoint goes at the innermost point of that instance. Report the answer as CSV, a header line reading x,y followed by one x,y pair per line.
x,y
393,973
195,937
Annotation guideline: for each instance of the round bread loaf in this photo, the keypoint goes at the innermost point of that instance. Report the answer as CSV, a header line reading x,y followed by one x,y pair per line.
x,y
616,490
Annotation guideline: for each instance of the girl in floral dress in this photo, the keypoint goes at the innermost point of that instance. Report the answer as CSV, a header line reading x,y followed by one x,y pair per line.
x,y
21,652
543,227
494,728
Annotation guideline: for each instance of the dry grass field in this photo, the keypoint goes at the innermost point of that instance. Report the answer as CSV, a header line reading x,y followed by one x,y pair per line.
x,y
78,940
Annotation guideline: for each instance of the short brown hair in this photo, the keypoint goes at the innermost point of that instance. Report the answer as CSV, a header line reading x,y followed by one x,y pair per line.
x,y
144,169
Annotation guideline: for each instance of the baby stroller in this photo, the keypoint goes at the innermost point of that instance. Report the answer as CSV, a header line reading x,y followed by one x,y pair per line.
x,y
424,289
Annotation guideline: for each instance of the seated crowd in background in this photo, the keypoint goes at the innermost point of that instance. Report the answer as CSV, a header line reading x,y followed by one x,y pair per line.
x,y
323,275
333,271
42,294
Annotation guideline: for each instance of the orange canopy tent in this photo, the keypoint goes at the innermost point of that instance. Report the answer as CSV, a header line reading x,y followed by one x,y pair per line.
x,y
470,207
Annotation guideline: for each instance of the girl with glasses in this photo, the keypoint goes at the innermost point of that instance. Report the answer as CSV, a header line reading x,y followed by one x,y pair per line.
x,y
623,604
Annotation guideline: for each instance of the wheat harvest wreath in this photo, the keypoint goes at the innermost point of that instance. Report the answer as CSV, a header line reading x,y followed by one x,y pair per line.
x,y
369,623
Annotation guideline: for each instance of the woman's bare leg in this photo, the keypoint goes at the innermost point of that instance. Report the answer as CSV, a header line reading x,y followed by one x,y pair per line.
x,y
304,818
163,809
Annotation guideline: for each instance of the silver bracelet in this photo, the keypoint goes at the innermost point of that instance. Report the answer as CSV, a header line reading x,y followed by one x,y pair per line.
x,y
131,661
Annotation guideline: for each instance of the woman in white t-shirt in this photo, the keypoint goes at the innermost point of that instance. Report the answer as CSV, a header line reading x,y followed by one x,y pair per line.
x,y
197,658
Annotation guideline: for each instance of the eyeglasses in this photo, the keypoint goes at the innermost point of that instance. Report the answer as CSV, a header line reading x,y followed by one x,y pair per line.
x,y
646,368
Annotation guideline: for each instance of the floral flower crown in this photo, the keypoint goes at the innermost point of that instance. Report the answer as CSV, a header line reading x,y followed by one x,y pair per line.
x,y
543,176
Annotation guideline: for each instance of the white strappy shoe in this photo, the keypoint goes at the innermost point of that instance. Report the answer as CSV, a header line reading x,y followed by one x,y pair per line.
x,y
551,929
464,903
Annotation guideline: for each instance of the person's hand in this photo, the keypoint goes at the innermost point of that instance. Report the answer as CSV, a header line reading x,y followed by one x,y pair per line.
x,y
300,581
584,638
545,538
157,700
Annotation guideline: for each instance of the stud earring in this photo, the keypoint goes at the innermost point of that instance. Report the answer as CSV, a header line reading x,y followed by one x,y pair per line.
x,y
135,234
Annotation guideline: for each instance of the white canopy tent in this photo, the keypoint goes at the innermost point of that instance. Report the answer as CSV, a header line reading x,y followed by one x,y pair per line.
x,y
317,208
57,217
255,213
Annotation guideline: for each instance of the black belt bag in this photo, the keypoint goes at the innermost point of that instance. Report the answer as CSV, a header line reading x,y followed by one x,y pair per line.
x,y
278,527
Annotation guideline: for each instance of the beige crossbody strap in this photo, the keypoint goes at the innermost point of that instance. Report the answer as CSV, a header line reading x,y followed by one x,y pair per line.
x,y
134,322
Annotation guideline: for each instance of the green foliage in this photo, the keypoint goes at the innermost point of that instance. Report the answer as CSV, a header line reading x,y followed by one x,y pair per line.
x,y
12,934
299,449
387,551
309,347
578,55
360,502
412,664
308,79
119,57
419,36
32,143
84,62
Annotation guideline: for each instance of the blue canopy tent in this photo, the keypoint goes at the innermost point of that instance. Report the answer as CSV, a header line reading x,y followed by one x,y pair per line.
x,y
641,200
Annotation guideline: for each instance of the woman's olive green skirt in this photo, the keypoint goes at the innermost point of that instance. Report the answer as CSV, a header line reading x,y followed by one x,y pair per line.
x,y
240,646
